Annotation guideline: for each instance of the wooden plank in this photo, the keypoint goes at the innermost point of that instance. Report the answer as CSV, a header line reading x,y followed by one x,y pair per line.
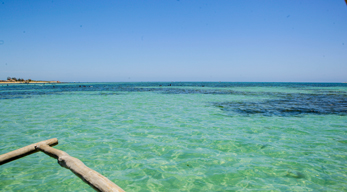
x,y
88,175
27,150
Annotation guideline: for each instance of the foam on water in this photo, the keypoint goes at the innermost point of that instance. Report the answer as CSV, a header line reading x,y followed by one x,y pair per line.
x,y
183,137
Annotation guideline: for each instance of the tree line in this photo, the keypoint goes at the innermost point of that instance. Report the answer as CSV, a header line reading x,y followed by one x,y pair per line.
x,y
15,79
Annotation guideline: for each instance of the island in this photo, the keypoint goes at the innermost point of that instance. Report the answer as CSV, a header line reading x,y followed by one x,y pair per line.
x,y
21,80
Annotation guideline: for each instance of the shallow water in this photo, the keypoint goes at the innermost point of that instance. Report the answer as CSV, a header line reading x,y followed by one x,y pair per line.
x,y
184,137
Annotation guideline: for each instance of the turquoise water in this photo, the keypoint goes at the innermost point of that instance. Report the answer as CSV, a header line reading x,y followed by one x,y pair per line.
x,y
184,137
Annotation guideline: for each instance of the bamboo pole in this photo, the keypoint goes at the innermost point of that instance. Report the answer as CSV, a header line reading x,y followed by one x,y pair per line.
x,y
88,175
22,152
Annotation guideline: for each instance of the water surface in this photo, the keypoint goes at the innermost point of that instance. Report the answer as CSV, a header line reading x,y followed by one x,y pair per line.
x,y
190,136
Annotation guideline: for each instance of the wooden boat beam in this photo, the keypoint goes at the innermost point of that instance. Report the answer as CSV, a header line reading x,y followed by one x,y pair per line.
x,y
24,151
88,175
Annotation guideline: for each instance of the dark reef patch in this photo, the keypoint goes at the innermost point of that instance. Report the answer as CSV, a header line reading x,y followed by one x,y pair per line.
x,y
290,105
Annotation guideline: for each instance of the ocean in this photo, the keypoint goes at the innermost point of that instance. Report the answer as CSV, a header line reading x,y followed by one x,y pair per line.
x,y
179,136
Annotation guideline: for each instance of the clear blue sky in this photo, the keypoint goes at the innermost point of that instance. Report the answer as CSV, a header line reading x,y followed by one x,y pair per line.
x,y
171,40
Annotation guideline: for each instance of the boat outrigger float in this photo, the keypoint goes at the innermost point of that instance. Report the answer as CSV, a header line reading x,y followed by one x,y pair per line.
x,y
88,175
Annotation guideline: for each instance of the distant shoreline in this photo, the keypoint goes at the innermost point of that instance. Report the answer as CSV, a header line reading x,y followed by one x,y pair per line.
x,y
31,82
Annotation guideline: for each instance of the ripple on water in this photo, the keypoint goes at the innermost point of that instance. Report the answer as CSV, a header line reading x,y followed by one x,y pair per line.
x,y
160,139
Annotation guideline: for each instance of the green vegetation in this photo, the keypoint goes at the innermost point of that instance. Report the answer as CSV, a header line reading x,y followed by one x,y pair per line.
x,y
21,80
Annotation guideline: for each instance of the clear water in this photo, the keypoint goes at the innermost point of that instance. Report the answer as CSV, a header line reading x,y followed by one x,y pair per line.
x,y
184,137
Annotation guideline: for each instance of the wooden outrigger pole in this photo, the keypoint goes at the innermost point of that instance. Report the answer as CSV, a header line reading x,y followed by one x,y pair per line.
x,y
27,150
88,175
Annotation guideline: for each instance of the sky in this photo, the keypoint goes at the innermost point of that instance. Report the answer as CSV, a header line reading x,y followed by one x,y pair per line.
x,y
174,40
